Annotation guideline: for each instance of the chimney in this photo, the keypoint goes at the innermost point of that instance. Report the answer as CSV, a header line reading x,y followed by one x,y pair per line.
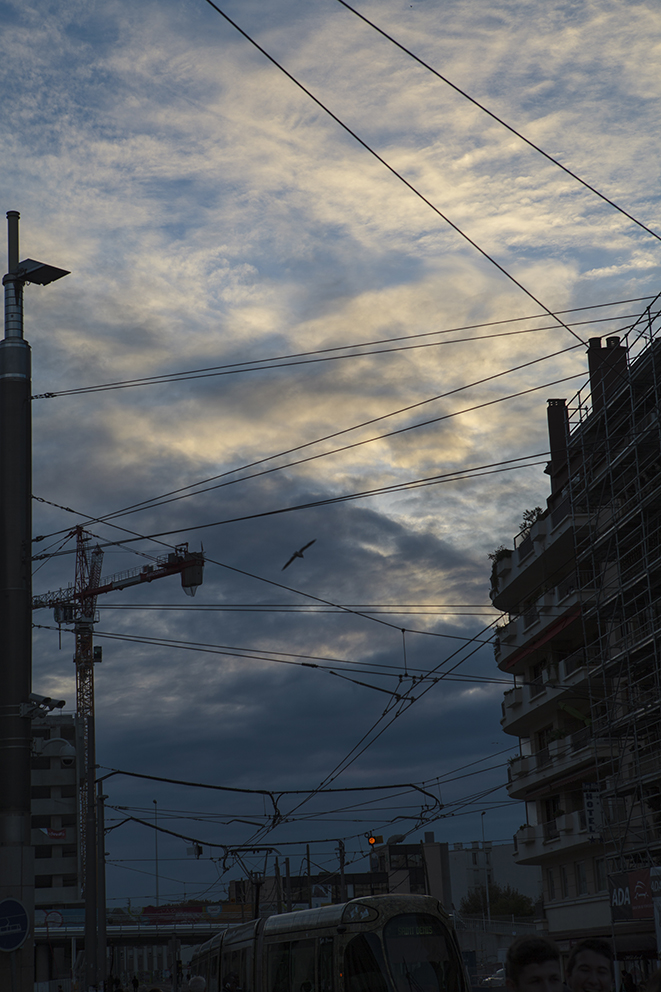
x,y
608,368
558,423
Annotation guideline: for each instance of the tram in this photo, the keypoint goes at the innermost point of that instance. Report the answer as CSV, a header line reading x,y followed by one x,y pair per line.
x,y
386,943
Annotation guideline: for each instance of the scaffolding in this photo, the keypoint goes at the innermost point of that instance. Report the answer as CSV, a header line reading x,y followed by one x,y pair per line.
x,y
581,589
614,454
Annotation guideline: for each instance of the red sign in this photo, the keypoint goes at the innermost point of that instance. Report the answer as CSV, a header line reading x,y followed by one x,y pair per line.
x,y
641,894
53,833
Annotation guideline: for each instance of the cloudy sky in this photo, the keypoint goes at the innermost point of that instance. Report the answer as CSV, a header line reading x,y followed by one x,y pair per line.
x,y
215,218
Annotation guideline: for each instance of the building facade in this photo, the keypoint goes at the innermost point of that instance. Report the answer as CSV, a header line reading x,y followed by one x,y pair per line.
x,y
55,785
582,590
475,865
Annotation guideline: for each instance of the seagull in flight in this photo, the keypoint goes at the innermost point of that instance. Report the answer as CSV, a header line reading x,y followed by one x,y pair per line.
x,y
298,554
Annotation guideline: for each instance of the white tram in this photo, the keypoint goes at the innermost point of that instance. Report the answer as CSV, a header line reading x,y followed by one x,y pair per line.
x,y
385,943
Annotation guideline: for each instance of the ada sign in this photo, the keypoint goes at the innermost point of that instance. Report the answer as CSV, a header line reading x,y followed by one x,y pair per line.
x,y
14,924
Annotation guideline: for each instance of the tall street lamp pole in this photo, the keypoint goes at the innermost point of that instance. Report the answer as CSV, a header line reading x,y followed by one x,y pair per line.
x,y
16,851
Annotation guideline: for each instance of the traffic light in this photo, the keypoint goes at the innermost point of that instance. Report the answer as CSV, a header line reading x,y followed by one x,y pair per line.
x,y
374,839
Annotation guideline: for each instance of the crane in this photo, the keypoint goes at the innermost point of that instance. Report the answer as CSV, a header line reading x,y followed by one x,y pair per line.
x,y
76,605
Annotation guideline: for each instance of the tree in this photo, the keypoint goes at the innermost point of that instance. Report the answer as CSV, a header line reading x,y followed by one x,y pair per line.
x,y
503,900
529,517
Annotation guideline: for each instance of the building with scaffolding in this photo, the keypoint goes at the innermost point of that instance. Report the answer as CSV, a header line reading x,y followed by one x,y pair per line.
x,y
582,590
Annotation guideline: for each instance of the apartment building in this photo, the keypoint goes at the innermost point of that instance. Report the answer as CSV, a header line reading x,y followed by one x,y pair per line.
x,y
55,784
476,864
582,590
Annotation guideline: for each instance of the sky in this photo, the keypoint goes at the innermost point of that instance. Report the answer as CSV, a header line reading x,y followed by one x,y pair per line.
x,y
214,217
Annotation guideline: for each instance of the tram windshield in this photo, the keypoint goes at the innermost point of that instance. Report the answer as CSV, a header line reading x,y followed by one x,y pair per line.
x,y
421,955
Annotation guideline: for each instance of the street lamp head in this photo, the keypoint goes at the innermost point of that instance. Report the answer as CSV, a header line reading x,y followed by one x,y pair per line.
x,y
32,271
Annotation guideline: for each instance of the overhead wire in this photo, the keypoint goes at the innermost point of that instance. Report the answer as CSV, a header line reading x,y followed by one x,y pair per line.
x,y
283,361
330,500
395,173
499,120
184,491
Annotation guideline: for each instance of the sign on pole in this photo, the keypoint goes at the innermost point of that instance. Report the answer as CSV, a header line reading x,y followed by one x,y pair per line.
x,y
14,924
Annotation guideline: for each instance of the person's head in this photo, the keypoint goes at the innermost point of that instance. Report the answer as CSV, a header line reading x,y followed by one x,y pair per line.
x,y
533,965
590,966
197,984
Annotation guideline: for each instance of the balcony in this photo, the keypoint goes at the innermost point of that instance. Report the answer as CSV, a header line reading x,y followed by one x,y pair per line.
x,y
534,627
561,758
541,552
528,706
564,833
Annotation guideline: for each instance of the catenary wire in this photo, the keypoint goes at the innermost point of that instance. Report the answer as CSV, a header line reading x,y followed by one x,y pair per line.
x,y
329,500
283,361
395,173
170,498
500,121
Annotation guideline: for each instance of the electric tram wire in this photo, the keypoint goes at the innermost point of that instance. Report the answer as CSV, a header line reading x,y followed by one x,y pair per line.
x,y
336,499
354,753
283,361
176,495
396,174
500,121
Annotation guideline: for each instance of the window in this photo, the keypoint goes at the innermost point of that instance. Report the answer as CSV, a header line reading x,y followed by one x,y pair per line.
x,y
68,792
277,966
362,965
40,792
475,858
600,882
69,880
536,678
581,878
550,884
43,851
302,965
564,882
40,821
421,957
43,881
325,964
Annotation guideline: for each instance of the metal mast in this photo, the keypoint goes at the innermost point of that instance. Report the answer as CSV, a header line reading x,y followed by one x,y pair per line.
x,y
77,605
88,575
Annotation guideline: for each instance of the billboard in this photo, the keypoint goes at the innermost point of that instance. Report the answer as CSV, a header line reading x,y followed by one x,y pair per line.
x,y
631,895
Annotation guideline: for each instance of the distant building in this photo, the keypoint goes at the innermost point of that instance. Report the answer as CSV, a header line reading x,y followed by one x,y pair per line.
x,y
55,829
473,866
450,873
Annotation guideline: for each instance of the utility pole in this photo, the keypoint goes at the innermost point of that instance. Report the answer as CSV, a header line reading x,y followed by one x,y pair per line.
x,y
102,935
343,882
288,885
16,851
307,853
278,888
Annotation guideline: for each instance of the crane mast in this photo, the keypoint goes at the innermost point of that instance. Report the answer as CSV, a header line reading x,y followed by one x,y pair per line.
x,y
76,605
88,575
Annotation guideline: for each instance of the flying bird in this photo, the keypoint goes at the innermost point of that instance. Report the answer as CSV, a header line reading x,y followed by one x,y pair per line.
x,y
298,554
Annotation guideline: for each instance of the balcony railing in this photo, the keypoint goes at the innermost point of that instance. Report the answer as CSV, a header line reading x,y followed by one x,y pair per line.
x,y
550,829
